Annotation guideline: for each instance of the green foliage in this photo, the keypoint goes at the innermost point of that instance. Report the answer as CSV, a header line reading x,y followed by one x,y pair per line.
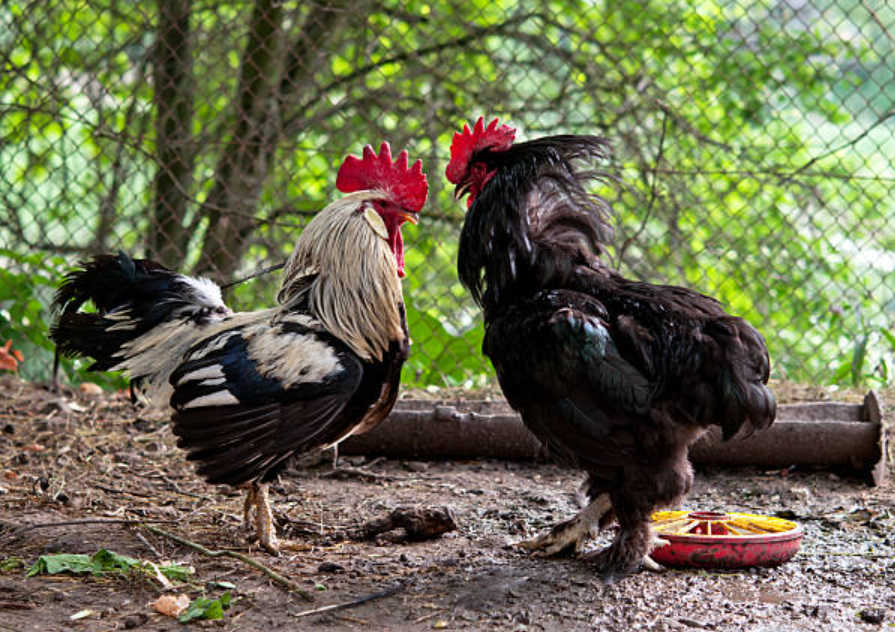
x,y
26,281
205,608
758,198
102,562
11,563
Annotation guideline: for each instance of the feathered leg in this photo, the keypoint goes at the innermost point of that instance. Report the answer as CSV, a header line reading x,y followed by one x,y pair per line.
x,y
629,551
571,534
644,490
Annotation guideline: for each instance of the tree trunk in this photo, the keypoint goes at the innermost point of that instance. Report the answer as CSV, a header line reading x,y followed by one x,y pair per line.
x,y
168,236
269,78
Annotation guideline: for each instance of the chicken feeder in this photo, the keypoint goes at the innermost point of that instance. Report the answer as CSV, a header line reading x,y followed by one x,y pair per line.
x,y
714,540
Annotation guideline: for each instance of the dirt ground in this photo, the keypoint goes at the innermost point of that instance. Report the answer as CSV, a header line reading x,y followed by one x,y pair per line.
x,y
74,458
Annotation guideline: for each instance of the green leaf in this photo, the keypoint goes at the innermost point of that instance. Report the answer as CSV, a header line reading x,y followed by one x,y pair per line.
x,y
61,563
222,584
100,563
10,564
205,608
180,573
105,561
889,336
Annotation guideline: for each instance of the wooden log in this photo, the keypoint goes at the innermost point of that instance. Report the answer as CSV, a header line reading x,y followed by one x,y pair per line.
x,y
826,434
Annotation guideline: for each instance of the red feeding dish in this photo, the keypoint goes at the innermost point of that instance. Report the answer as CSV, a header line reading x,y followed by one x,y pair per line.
x,y
706,539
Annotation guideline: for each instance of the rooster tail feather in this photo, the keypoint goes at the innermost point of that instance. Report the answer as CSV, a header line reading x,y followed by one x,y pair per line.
x,y
129,298
746,400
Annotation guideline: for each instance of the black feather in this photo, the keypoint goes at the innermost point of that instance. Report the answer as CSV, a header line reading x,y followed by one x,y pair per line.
x,y
148,292
614,376
499,245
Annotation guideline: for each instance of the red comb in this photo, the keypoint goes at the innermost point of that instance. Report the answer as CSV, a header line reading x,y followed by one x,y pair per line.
x,y
407,186
467,142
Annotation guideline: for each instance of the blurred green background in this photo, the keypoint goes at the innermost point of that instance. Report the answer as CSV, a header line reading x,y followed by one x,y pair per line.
x,y
753,140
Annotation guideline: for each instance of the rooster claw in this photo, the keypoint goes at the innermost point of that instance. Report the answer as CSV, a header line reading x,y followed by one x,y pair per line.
x,y
547,546
651,565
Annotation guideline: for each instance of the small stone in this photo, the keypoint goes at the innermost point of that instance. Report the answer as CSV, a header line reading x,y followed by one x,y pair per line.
x,y
135,620
416,466
90,389
872,615
9,429
330,567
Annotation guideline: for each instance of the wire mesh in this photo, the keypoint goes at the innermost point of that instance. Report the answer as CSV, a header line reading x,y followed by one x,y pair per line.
x,y
753,138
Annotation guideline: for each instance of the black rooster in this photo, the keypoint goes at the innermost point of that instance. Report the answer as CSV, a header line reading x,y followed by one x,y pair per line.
x,y
250,389
613,376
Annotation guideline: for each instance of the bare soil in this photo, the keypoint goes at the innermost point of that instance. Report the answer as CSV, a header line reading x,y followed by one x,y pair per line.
x,y
72,458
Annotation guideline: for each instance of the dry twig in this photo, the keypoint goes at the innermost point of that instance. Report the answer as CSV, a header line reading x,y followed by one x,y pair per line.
x,y
388,592
70,523
275,576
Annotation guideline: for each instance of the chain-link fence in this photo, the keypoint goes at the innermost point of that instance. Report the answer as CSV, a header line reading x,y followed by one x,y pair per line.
x,y
753,137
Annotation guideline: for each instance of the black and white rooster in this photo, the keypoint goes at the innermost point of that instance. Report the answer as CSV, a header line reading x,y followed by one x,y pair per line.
x,y
614,376
249,390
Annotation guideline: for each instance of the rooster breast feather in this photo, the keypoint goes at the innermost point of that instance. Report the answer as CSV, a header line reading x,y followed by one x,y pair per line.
x,y
247,398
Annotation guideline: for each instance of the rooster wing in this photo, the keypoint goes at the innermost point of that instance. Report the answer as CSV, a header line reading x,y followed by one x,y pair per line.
x,y
559,365
248,397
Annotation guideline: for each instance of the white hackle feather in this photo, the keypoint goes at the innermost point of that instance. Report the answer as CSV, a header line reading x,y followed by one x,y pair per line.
x,y
350,275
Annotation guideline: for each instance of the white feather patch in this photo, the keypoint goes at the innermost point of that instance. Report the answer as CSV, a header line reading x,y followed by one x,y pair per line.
x,y
208,293
218,343
209,372
221,398
292,358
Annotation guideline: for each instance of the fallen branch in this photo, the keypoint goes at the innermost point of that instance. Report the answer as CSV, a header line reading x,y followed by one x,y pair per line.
x,y
388,592
344,472
275,576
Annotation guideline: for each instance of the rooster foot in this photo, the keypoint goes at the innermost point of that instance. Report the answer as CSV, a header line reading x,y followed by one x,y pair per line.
x,y
613,563
617,561
649,563
248,508
570,535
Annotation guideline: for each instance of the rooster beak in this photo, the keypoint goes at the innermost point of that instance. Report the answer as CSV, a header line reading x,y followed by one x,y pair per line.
x,y
461,190
409,216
